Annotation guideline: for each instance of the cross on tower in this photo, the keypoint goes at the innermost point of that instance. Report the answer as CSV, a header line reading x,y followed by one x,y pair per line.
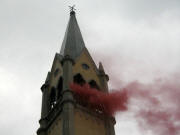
x,y
72,9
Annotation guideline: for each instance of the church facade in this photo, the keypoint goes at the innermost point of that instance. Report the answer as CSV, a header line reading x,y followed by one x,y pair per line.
x,y
61,114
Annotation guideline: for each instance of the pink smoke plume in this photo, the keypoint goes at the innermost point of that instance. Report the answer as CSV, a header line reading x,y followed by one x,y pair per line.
x,y
158,105
109,103
155,106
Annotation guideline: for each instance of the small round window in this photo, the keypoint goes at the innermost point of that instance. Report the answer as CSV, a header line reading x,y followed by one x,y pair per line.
x,y
56,72
85,66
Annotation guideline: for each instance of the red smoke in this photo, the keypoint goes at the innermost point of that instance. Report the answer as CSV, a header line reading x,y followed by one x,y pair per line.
x,y
156,106
108,103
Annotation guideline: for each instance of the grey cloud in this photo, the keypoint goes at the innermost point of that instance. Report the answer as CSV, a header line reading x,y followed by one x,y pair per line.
x,y
32,31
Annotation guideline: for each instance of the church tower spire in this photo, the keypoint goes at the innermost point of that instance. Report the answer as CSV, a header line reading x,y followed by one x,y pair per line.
x,y
73,42
62,113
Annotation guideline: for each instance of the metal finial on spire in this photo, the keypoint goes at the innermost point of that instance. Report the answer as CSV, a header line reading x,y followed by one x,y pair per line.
x,y
72,9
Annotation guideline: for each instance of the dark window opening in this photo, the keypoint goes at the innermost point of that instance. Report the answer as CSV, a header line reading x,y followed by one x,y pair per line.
x,y
56,72
93,84
85,66
79,79
59,88
53,97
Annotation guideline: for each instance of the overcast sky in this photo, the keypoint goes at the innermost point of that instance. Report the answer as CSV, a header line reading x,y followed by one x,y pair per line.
x,y
135,39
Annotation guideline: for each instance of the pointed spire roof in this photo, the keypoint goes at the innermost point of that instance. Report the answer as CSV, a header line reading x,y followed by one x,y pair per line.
x,y
101,68
73,42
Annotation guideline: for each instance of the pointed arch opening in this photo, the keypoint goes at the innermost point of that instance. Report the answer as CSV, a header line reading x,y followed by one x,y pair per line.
x,y
79,79
93,84
52,97
59,88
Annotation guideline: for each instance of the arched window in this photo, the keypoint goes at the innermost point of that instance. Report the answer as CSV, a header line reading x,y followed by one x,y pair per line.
x,y
93,84
53,97
79,79
59,87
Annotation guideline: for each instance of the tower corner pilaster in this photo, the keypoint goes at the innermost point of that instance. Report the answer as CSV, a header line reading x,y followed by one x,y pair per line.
x,y
67,58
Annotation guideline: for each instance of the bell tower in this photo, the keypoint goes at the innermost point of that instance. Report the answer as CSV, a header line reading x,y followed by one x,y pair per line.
x,y
61,114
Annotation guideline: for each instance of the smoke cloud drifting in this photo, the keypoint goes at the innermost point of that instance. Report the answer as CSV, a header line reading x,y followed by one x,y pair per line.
x,y
155,106
108,103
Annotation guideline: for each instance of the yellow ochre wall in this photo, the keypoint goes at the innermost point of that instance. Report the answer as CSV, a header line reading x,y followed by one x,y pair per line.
x,y
89,74
54,80
86,124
